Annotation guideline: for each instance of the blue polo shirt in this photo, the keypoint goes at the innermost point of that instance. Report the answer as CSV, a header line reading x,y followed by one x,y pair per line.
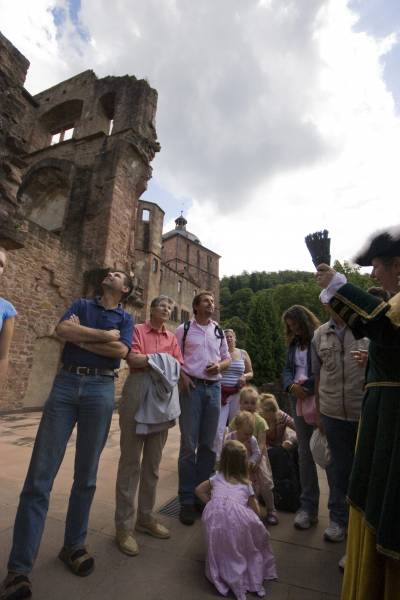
x,y
92,314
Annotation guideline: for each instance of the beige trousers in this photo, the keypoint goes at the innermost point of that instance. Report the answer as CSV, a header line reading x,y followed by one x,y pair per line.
x,y
139,462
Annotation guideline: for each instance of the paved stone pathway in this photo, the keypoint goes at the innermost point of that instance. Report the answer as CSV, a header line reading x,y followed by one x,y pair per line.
x,y
165,569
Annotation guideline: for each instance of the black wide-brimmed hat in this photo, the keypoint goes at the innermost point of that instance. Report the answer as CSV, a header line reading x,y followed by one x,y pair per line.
x,y
382,244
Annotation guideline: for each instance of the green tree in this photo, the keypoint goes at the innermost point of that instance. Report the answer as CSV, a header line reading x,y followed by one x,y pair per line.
x,y
354,275
264,341
240,302
305,293
224,301
240,328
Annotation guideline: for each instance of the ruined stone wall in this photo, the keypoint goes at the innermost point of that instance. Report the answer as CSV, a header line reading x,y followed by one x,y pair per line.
x,y
15,103
181,290
82,164
148,266
194,262
41,280
74,161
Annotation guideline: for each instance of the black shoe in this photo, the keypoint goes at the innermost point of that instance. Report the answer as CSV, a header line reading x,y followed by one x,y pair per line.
x,y
187,514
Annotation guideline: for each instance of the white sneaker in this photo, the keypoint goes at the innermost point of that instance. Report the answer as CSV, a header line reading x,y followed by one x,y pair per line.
x,y
342,563
303,520
335,532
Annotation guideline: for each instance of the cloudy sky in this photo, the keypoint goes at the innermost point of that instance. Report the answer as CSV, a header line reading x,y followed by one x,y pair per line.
x,y
276,117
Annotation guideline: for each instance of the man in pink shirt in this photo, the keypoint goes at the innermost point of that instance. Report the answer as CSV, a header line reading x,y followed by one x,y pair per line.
x,y
141,454
205,354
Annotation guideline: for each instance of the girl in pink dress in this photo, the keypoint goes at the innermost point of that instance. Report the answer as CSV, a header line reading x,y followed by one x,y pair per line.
x,y
239,556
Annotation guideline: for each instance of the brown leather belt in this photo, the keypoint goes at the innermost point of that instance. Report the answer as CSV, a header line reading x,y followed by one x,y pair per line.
x,y
90,371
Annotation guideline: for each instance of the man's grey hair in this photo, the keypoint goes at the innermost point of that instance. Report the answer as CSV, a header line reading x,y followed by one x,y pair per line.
x,y
158,299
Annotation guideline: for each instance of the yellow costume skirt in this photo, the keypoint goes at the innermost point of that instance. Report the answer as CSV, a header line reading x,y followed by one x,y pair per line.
x,y
368,575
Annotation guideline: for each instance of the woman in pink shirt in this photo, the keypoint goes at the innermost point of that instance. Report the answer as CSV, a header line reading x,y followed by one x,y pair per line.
x,y
141,454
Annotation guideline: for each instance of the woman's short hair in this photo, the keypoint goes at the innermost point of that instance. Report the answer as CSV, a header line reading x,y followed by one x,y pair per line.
x,y
158,299
232,331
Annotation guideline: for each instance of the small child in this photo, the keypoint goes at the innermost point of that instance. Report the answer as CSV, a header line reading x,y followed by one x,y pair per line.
x,y
264,484
281,430
239,556
282,452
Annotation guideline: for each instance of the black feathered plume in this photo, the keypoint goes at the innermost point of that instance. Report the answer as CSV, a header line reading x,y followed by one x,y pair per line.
x,y
319,246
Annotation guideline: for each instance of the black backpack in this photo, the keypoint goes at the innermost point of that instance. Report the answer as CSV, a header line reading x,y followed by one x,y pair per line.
x,y
285,472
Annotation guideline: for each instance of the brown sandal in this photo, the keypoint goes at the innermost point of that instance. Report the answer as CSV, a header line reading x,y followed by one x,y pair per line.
x,y
16,587
78,561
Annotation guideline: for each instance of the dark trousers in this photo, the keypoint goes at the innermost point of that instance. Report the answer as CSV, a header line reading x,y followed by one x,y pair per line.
x,y
341,436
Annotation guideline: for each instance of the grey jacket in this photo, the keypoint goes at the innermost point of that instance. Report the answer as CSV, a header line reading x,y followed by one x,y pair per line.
x,y
341,379
159,399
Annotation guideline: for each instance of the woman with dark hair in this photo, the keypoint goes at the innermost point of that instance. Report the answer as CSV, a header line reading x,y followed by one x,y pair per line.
x,y
300,324
373,545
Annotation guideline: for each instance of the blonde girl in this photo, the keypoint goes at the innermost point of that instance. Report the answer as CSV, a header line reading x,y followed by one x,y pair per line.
x,y
239,556
264,485
281,430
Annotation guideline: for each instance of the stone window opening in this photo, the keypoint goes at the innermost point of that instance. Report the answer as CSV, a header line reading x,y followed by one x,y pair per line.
x,y
174,314
154,265
62,136
106,111
60,121
145,215
179,287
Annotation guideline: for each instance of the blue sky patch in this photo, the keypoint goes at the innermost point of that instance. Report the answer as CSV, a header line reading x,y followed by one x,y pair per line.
x,y
379,18
73,8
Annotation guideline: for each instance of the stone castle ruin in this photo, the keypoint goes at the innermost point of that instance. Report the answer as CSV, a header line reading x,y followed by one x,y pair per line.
x,y
74,162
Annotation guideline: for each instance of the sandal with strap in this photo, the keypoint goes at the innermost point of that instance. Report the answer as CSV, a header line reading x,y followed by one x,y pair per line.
x,y
16,587
78,561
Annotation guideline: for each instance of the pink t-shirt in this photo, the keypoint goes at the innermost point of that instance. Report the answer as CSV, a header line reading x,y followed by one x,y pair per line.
x,y
147,340
202,347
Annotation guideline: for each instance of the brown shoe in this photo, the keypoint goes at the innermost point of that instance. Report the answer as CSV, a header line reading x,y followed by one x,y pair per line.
x,y
15,587
126,542
155,529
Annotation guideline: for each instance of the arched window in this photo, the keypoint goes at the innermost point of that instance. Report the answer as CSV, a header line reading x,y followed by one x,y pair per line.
x,y
44,195
154,265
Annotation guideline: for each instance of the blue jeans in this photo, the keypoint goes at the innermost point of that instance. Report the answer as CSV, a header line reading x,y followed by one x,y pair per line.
x,y
309,499
341,436
198,424
87,401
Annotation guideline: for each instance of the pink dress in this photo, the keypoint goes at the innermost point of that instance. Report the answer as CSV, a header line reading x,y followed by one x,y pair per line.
x,y
239,556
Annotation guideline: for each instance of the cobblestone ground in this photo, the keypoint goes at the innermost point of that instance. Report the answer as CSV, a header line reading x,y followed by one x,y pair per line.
x,y
168,569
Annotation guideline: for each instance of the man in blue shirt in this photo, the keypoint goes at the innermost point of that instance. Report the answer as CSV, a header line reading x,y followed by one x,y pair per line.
x,y
98,333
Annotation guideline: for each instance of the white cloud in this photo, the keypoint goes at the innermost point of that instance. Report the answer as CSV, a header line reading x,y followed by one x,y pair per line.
x,y
273,116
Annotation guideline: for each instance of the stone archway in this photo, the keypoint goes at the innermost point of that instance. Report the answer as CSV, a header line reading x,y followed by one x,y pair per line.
x,y
44,193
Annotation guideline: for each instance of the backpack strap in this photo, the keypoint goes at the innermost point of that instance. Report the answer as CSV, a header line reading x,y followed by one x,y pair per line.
x,y
186,327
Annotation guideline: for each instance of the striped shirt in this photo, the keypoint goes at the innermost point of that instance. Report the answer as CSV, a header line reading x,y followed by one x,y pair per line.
x,y
231,375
